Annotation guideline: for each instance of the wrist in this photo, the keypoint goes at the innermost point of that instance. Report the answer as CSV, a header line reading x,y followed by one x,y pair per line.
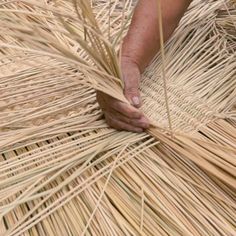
x,y
130,61
134,53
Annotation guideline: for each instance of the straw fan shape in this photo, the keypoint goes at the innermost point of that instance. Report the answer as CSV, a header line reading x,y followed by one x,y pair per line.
x,y
64,172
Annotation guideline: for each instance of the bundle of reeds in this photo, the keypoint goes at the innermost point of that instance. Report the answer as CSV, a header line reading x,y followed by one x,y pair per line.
x,y
63,171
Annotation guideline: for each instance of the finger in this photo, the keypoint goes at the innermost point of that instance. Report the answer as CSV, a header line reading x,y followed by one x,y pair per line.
x,y
110,104
113,106
119,125
141,123
127,110
131,80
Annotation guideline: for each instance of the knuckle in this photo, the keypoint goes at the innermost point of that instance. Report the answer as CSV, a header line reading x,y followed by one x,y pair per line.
x,y
108,120
127,109
117,106
128,120
133,122
133,113
112,122
120,107
131,90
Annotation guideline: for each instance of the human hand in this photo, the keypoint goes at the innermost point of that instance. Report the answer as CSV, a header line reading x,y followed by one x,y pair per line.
x,y
120,115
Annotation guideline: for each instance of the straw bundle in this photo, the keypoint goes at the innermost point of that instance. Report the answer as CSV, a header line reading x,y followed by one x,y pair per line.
x,y
64,172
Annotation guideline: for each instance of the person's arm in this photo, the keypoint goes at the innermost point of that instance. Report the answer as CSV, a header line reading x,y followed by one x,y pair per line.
x,y
140,45
143,41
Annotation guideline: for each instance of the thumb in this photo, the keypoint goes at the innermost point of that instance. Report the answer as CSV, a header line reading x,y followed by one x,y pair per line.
x,y
131,77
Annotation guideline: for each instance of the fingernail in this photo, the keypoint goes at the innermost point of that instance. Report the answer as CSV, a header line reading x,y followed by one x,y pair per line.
x,y
136,101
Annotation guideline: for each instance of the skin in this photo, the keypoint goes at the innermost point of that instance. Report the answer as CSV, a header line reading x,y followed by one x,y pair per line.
x,y
140,45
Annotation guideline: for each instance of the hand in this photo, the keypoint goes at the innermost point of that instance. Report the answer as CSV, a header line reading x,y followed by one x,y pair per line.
x,y
123,116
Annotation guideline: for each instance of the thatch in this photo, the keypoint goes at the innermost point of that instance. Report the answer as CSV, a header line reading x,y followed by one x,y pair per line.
x,y
65,172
